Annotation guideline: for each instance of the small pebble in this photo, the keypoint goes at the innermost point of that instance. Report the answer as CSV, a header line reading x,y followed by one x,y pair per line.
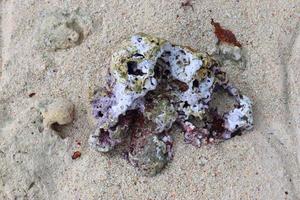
x,y
32,94
76,155
231,52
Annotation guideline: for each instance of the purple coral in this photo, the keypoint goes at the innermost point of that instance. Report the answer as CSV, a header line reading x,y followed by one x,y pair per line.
x,y
101,108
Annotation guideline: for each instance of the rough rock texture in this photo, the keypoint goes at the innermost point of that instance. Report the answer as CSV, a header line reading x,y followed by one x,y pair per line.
x,y
263,164
158,83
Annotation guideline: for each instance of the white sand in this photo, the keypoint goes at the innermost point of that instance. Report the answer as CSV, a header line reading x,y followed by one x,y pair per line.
x,y
37,164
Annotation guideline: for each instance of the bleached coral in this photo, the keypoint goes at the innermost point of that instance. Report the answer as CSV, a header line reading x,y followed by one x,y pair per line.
x,y
155,84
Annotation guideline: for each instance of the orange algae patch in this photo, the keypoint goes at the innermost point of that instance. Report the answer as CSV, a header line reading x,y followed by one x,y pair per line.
x,y
225,35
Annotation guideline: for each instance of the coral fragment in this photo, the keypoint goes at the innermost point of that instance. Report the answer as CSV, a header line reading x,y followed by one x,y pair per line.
x,y
156,84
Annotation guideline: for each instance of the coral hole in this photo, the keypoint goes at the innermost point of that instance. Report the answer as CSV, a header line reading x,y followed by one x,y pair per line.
x,y
132,68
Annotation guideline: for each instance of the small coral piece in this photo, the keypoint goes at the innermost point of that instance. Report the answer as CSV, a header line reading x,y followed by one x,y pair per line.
x,y
155,84
225,35
57,112
62,29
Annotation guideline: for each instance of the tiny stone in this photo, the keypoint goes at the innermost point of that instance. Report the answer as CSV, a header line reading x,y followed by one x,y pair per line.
x,y
32,94
202,161
76,155
230,52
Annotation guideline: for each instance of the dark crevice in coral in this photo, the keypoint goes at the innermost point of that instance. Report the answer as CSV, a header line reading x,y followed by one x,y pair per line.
x,y
186,104
217,123
132,68
195,83
100,114
157,72
138,55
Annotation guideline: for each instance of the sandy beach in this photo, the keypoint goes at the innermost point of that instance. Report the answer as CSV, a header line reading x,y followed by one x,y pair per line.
x,y
36,161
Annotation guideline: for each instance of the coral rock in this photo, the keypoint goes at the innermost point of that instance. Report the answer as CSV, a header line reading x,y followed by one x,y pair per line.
x,y
153,85
59,111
